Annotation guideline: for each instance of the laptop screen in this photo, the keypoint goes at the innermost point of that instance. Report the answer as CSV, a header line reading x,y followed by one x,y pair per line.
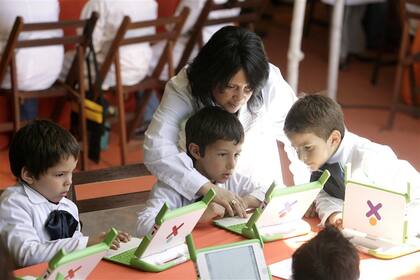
x,y
374,211
234,263
288,206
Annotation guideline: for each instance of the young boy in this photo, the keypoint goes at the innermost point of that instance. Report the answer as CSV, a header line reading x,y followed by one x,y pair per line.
x,y
315,127
329,255
213,141
36,218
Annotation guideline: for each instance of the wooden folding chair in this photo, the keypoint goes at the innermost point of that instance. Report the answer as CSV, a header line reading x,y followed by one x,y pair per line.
x,y
251,11
71,88
151,82
109,175
406,60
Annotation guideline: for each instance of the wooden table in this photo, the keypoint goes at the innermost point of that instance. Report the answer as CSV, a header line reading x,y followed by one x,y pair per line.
x,y
407,267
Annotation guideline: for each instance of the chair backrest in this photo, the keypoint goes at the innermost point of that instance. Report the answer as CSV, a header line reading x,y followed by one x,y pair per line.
x,y
104,176
250,12
170,35
17,42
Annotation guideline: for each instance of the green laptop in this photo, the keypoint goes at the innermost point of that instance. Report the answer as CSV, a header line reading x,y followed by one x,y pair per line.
x,y
280,214
164,247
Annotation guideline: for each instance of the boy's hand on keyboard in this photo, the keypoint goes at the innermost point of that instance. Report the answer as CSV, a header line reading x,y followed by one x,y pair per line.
x,y
214,210
121,237
233,204
336,219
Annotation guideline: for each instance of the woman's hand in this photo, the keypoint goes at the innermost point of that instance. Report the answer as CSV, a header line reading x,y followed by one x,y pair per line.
x,y
233,204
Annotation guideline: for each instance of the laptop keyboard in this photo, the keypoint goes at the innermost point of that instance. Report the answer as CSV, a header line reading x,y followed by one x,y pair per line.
x,y
237,228
124,257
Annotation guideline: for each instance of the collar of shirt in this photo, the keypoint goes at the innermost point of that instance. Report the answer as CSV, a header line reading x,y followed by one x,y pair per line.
x,y
37,198
344,150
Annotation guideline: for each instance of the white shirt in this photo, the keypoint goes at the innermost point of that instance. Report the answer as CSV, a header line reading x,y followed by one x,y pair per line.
x,y
23,213
371,163
259,157
37,68
134,59
195,7
162,193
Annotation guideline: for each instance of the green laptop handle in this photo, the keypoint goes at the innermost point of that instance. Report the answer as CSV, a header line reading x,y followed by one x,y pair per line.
x,y
110,236
208,197
191,247
324,177
269,192
161,214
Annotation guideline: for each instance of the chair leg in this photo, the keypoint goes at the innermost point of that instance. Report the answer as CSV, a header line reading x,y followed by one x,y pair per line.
x,y
395,98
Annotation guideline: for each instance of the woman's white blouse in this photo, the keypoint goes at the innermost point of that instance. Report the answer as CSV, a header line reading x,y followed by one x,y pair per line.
x,y
260,156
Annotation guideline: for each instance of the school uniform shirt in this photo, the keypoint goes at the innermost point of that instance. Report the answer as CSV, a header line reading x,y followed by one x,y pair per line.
x,y
39,67
23,213
162,193
195,7
371,163
134,59
259,157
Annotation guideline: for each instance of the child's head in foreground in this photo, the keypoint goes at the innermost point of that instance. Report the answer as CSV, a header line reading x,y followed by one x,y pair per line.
x,y
213,139
6,266
315,128
43,155
329,255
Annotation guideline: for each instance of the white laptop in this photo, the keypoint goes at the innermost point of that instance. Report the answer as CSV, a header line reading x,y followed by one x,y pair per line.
x,y
280,215
164,246
375,221
78,264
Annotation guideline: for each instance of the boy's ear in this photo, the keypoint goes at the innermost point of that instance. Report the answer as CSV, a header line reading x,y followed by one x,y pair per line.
x,y
335,137
27,176
194,150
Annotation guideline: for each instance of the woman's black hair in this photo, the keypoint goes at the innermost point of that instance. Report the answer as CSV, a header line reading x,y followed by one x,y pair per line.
x,y
229,50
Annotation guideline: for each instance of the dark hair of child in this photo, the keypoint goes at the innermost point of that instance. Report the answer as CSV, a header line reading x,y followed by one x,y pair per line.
x,y
211,124
40,145
327,256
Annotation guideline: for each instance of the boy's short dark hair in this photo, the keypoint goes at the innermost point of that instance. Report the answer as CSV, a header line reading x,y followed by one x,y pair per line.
x,y
39,145
210,124
329,255
315,114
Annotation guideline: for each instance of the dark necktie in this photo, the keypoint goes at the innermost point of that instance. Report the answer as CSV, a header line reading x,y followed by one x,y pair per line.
x,y
60,224
335,185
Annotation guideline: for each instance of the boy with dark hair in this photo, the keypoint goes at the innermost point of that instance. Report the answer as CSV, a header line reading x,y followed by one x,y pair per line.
x,y
315,127
329,255
213,141
36,218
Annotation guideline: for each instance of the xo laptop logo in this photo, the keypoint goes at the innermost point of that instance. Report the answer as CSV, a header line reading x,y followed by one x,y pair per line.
x,y
174,232
287,208
373,212
72,273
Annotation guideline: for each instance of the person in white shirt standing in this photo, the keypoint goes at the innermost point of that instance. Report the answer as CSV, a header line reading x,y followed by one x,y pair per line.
x,y
230,71
37,68
134,59
214,140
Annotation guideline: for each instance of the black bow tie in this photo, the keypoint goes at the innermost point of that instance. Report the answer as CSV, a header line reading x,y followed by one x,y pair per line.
x,y
335,185
60,224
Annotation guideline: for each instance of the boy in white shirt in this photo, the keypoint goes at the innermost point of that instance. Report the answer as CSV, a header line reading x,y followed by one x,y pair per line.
x,y
315,127
36,218
213,141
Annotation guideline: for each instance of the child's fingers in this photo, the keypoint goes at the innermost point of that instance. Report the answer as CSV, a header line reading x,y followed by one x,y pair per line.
x,y
124,236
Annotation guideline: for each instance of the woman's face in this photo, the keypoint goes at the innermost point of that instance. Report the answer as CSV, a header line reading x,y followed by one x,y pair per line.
x,y
235,95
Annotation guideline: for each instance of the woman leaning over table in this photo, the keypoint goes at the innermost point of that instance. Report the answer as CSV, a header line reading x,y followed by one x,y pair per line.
x,y
231,71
